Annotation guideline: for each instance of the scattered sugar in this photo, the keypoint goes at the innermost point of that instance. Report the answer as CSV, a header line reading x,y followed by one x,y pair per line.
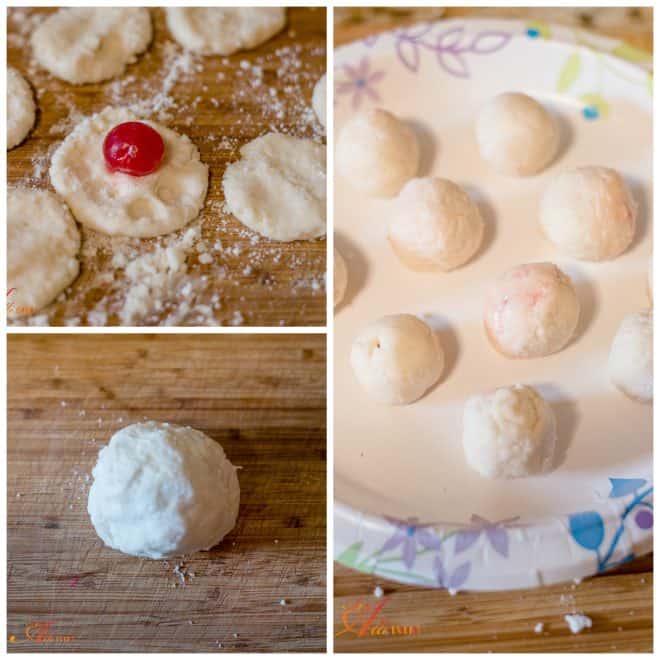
x,y
378,591
577,622
538,628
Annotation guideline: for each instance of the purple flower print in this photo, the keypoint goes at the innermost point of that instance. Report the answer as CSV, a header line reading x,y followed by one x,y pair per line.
x,y
450,581
495,532
409,534
450,47
360,82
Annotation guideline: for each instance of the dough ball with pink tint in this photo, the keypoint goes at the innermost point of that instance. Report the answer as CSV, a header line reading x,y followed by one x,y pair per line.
x,y
531,310
589,213
377,152
435,225
516,134
397,359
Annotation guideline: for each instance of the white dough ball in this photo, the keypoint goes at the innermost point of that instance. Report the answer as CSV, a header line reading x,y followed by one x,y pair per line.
x,y
91,44
162,490
589,213
224,30
435,225
630,363
21,108
516,134
397,359
319,99
509,433
377,152
340,277
531,310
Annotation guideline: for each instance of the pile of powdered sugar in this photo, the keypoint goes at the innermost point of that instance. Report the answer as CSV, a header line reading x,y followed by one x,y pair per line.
x,y
206,273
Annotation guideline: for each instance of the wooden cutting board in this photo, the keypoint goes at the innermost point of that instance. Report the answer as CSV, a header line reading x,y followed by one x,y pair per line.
x,y
221,103
262,397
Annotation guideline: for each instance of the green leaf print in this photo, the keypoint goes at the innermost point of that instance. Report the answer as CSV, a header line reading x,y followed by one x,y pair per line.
x,y
632,54
569,72
350,556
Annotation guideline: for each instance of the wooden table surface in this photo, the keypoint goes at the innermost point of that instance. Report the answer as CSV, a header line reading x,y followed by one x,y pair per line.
x,y
620,603
221,103
262,397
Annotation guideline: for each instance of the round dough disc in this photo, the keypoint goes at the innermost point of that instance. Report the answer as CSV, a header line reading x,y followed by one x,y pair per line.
x,y
278,187
162,490
120,204
21,109
319,99
42,248
91,44
224,30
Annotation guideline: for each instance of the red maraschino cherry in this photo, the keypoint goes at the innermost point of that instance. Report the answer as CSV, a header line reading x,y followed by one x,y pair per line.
x,y
133,148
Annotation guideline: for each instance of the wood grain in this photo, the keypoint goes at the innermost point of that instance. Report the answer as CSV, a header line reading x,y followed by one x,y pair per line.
x,y
221,106
620,603
262,397
620,606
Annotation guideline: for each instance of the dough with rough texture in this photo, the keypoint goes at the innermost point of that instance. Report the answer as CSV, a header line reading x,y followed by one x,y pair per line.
x,y
224,30
589,213
42,250
21,108
120,204
91,44
377,153
630,362
509,433
435,225
278,187
319,99
531,311
516,134
162,490
340,277
397,359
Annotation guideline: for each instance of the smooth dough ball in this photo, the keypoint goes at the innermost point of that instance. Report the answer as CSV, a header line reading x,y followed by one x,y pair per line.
x,y
435,225
121,204
162,490
319,99
21,108
91,44
278,187
42,250
630,363
589,213
531,311
397,359
224,30
516,134
340,277
509,433
377,153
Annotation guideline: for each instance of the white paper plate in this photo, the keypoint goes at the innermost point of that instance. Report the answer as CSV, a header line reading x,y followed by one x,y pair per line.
x,y
407,507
